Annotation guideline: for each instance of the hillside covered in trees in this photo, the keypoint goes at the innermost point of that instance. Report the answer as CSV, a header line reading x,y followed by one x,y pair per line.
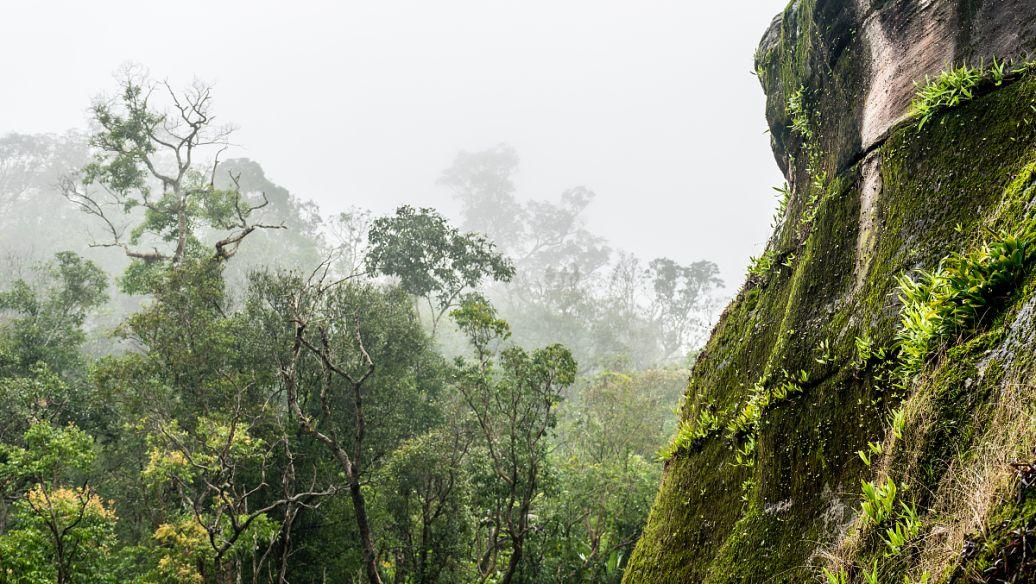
x,y
207,380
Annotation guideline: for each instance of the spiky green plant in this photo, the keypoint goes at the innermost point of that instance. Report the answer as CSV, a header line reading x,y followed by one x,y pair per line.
x,y
871,576
906,528
950,88
690,433
759,267
873,449
942,302
839,577
878,500
783,197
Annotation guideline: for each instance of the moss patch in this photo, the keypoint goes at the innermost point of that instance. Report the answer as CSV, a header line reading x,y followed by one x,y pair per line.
x,y
969,170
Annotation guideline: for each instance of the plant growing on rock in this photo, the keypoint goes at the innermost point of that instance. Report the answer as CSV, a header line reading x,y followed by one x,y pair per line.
x,y
878,500
906,528
958,85
690,433
950,88
939,303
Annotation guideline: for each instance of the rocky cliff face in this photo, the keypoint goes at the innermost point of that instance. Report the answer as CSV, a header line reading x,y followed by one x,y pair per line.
x,y
842,417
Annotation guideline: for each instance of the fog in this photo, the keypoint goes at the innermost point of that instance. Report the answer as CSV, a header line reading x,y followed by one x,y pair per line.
x,y
652,105
365,292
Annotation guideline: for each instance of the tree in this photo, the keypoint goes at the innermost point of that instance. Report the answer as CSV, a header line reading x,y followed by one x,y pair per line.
x,y
570,286
484,184
147,159
35,221
425,488
610,427
682,302
43,322
432,259
61,532
352,373
211,470
514,406
301,244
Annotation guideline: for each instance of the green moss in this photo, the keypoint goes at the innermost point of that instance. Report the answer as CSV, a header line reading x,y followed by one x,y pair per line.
x,y
971,169
1005,553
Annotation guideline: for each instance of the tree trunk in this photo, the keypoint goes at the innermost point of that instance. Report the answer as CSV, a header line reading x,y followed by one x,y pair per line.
x,y
516,558
370,558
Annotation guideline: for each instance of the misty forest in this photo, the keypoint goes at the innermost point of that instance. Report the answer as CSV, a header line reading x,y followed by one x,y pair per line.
x,y
208,377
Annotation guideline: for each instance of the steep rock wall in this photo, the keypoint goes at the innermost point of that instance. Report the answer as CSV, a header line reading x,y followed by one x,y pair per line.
x,y
766,485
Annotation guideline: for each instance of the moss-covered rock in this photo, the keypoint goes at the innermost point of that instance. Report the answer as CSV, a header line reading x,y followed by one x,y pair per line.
x,y
873,198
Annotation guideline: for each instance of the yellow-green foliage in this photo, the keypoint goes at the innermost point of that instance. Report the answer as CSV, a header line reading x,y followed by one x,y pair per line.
x,y
761,397
939,303
783,197
839,577
878,500
950,88
802,126
906,528
760,266
690,433
958,85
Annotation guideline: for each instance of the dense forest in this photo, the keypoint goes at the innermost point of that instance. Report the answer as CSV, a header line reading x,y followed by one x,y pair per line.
x,y
207,380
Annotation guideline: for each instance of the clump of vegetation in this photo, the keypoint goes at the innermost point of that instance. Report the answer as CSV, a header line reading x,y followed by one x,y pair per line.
x,y
957,85
759,267
802,126
878,500
839,577
690,433
939,303
760,398
873,449
783,198
950,88
897,421
824,353
906,528
741,427
879,508
867,351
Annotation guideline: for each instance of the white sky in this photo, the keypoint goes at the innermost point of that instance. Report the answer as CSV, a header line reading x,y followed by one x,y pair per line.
x,y
651,104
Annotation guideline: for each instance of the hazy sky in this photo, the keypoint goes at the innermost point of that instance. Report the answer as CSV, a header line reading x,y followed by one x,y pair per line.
x,y
650,104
